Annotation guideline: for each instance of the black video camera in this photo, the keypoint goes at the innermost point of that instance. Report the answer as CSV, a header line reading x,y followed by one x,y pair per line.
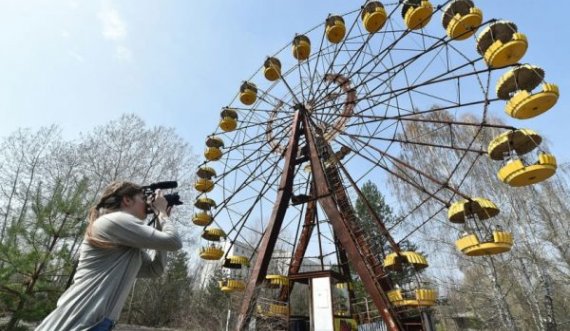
x,y
173,199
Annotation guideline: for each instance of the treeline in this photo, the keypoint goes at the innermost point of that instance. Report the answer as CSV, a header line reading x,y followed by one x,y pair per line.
x,y
48,183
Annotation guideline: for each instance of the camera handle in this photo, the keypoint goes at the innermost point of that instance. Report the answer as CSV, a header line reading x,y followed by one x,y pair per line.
x,y
153,220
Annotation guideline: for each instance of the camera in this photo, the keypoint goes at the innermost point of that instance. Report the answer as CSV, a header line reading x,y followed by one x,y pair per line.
x,y
173,199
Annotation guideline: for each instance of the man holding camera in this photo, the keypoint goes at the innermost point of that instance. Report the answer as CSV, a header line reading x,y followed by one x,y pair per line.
x,y
112,256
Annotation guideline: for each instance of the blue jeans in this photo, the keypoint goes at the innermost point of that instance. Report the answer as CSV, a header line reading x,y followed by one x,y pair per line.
x,y
104,325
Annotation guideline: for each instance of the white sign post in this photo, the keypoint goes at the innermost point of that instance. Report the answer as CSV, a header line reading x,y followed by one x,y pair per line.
x,y
322,306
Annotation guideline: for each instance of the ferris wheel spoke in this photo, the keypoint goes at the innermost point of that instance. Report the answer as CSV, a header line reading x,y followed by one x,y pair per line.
x,y
439,42
285,128
353,58
403,141
422,224
404,176
393,93
258,196
251,175
337,51
399,164
246,159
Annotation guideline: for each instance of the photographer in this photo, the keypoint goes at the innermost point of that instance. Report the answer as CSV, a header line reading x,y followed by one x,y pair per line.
x,y
111,256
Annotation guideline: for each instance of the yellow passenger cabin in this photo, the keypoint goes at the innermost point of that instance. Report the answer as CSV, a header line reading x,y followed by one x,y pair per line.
x,y
471,245
214,234
206,172
394,261
229,119
516,172
335,29
204,203
236,262
461,19
421,297
517,85
501,44
276,281
373,16
465,209
213,151
202,219
204,185
247,93
301,47
272,69
416,13
232,285
513,142
211,252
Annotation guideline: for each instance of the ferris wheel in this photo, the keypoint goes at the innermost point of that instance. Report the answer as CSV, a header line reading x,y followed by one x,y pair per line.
x,y
335,107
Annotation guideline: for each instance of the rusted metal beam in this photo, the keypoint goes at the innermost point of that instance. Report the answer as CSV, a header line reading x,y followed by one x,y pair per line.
x,y
259,269
343,232
301,248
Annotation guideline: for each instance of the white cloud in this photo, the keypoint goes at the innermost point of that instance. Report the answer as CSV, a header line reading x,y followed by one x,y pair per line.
x,y
73,4
78,57
114,28
123,53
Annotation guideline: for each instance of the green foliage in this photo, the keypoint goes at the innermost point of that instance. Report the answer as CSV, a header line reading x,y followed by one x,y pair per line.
x,y
31,255
374,199
158,301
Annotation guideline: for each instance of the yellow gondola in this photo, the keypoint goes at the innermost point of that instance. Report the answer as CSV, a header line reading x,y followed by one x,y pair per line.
x,y
373,16
519,141
510,146
461,19
501,45
212,153
470,245
422,297
515,173
202,219
211,252
461,210
228,121
236,262
278,309
517,85
301,47
204,185
232,285
206,172
344,285
214,234
205,203
394,261
335,29
272,69
213,141
416,13
247,93
275,281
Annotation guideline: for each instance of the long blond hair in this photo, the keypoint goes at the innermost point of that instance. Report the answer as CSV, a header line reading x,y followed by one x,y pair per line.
x,y
110,201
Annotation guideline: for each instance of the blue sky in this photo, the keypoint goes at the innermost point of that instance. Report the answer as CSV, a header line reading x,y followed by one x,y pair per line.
x,y
79,64
82,63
